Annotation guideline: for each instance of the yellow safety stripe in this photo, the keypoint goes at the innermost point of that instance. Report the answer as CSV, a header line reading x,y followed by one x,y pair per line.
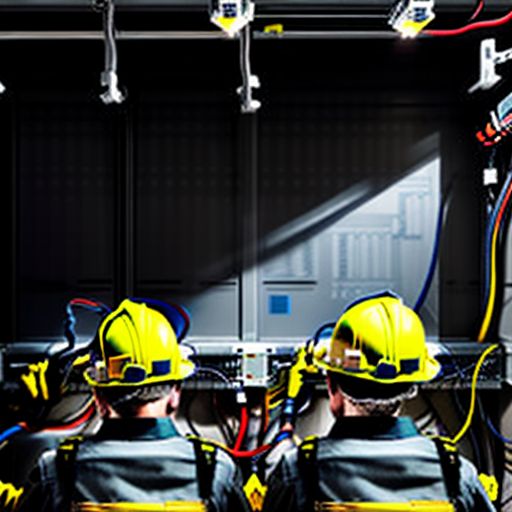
x,y
168,506
490,484
411,506
255,492
9,496
35,380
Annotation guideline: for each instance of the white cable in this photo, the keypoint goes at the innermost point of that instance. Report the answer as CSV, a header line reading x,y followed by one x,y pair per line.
x,y
109,76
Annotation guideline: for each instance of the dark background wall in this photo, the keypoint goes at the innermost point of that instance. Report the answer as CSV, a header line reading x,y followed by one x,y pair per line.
x,y
147,198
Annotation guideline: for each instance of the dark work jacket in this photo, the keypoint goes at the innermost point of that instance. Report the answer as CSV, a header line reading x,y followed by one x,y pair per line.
x,y
371,459
136,460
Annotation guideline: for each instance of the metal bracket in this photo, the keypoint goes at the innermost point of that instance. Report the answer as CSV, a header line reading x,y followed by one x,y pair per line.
x,y
231,15
249,81
108,78
489,58
410,17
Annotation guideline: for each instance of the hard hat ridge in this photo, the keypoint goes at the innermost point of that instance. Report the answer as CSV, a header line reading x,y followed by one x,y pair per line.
x,y
139,345
379,339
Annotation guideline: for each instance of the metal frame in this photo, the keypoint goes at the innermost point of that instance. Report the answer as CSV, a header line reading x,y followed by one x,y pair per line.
x,y
263,4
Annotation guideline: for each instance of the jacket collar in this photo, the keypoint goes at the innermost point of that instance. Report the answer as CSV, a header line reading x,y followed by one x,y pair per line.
x,y
137,429
373,427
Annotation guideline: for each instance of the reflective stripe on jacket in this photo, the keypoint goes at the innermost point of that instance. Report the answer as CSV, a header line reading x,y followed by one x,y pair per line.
x,y
372,459
133,461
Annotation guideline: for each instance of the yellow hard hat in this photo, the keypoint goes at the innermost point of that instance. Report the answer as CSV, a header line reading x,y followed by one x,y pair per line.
x,y
138,345
381,340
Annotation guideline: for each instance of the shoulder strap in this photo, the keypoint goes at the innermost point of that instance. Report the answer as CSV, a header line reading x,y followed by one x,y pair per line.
x,y
450,465
206,459
65,465
308,470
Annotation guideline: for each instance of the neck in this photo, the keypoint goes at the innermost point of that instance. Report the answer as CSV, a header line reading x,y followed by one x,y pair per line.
x,y
350,409
156,409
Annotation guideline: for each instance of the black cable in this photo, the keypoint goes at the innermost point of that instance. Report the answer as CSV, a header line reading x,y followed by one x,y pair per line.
x,y
426,414
186,414
488,441
505,502
220,418
437,416
219,374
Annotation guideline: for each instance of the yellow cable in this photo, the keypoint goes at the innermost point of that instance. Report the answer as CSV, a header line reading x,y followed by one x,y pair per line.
x,y
474,380
411,506
492,289
169,506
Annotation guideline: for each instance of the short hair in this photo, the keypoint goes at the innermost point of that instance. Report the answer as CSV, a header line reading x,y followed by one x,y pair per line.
x,y
127,401
373,398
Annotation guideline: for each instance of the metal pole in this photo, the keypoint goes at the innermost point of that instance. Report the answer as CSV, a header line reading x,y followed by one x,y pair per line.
x,y
94,35
249,296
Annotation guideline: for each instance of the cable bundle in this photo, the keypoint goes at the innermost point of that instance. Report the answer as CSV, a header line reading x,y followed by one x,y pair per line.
x,y
492,238
500,124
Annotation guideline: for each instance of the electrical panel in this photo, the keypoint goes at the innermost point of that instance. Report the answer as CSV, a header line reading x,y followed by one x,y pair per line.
x,y
259,364
458,361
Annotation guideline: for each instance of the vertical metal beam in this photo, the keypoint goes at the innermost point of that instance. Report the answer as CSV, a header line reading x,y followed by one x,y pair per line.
x,y
124,260
11,146
249,296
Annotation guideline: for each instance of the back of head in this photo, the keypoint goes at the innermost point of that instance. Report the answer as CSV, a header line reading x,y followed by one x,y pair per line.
x,y
137,358
377,353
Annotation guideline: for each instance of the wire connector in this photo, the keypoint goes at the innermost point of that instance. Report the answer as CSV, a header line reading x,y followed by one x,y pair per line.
x,y
500,124
241,396
410,17
249,81
231,15
112,94
248,104
489,58
490,176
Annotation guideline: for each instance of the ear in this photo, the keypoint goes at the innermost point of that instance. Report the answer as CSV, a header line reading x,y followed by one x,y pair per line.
x,y
174,399
336,398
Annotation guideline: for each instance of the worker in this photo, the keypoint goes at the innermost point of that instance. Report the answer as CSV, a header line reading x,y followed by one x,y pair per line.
x,y
373,459
137,460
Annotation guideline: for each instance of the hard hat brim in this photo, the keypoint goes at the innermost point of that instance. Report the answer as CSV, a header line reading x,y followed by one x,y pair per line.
x,y
185,369
431,370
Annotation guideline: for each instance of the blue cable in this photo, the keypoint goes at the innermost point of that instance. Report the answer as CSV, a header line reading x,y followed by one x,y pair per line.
x,y
9,432
489,232
493,429
433,261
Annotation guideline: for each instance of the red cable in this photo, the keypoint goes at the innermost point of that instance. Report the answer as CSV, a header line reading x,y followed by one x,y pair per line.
x,y
251,453
244,422
478,9
503,207
87,302
472,26
76,423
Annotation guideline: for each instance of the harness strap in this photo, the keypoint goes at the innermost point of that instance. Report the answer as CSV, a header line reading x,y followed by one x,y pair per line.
x,y
308,470
206,459
450,465
65,464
